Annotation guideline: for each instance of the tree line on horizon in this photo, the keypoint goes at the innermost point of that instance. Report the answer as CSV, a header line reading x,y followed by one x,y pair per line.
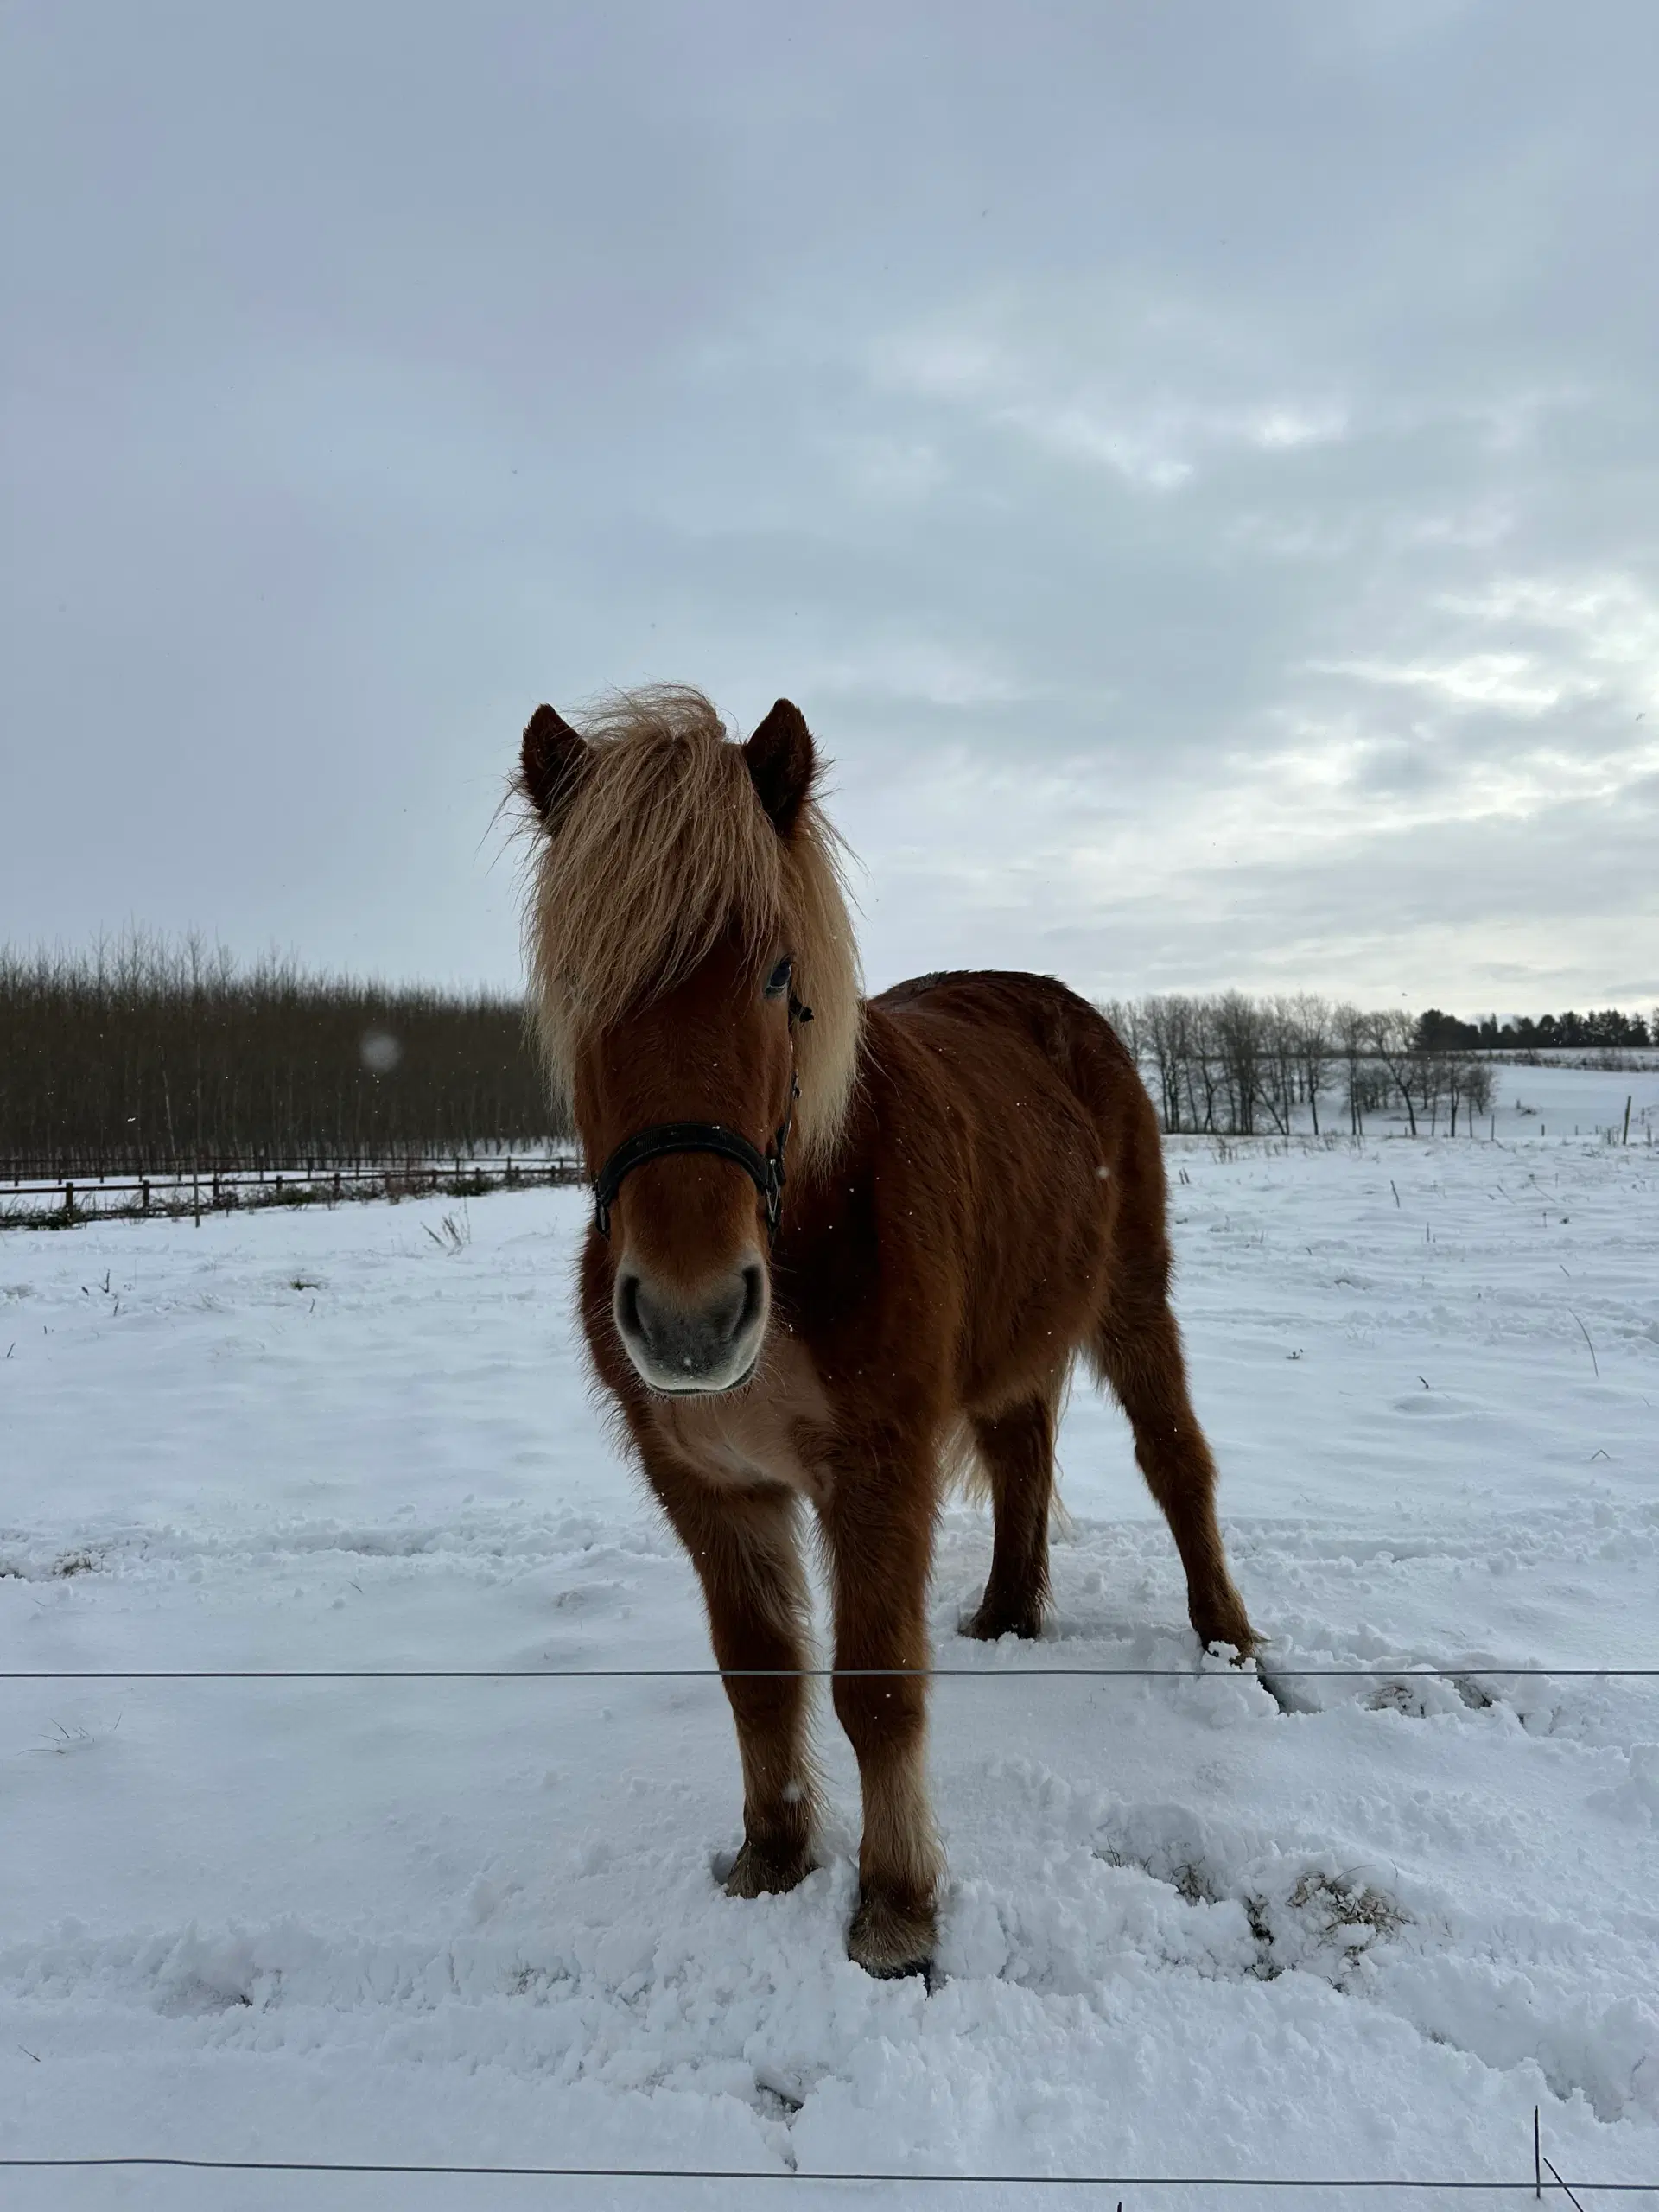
x,y
1610,1030
147,1056
1230,1065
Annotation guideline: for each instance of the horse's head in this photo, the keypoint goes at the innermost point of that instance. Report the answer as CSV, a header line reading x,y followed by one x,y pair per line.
x,y
687,910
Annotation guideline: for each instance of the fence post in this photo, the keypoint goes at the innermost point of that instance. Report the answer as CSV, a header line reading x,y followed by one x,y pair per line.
x,y
69,1200
1627,1120
144,1187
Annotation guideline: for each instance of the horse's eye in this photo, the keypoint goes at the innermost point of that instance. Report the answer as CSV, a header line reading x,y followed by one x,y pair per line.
x,y
778,981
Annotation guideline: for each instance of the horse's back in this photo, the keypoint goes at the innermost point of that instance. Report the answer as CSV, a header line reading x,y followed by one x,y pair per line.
x,y
967,1013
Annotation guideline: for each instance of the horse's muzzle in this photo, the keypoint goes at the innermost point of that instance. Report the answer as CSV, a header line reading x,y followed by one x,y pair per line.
x,y
692,1345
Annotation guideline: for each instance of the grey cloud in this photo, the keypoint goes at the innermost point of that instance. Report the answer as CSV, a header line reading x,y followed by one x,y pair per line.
x,y
1195,468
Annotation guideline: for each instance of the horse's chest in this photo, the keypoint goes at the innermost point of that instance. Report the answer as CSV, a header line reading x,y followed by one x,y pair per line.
x,y
775,1431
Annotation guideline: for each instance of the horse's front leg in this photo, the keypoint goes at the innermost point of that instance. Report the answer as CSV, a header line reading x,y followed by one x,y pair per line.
x,y
743,1546
879,1523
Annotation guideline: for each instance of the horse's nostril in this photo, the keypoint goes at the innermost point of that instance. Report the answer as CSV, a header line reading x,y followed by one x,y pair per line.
x,y
627,1305
753,1291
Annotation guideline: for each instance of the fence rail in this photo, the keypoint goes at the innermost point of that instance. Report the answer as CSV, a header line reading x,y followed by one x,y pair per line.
x,y
58,1200
1266,1676
782,2175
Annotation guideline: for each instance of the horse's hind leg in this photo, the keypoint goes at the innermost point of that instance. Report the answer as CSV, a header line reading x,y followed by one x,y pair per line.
x,y
1017,1452
1138,1347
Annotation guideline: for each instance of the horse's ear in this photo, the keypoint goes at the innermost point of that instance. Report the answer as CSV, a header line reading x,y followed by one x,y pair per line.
x,y
781,764
552,764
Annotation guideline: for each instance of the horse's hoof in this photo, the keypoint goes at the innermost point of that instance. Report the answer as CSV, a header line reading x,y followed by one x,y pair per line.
x,y
903,1972
890,1940
1223,1620
1239,1640
767,1870
991,1621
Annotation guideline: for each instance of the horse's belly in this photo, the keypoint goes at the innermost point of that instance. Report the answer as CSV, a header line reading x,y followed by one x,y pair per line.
x,y
1029,1314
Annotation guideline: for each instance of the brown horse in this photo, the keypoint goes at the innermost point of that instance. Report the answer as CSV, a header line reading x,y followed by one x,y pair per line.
x,y
842,1249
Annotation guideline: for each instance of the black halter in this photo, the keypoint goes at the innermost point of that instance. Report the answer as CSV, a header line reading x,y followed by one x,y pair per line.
x,y
764,1169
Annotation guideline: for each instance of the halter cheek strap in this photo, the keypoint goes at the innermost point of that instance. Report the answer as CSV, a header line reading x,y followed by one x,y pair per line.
x,y
663,1139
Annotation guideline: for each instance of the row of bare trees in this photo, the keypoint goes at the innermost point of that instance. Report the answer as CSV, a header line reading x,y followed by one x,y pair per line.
x,y
147,1057
1230,1065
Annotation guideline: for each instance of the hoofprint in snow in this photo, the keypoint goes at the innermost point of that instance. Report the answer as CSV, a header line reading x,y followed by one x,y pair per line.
x,y
1358,1927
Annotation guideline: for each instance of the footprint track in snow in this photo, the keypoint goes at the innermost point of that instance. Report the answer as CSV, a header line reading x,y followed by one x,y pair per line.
x,y
1229,1902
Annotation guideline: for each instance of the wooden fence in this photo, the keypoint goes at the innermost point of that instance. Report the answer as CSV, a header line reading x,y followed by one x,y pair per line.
x,y
59,1203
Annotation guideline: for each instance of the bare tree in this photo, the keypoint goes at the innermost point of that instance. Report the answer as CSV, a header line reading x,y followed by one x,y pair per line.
x,y
1241,1043
1352,1027
1312,1029
1477,1088
1124,1015
1430,1069
1281,1078
1164,1021
1202,1063
1391,1040
1453,1076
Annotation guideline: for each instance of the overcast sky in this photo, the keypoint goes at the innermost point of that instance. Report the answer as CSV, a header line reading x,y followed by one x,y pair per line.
x,y
1196,467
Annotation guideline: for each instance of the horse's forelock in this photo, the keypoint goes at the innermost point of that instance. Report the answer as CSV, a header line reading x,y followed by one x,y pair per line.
x,y
664,847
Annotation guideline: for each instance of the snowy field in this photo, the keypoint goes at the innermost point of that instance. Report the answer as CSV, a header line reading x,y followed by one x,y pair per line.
x,y
1193,1925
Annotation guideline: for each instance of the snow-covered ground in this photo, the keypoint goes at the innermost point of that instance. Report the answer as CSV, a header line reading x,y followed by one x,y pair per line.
x,y
1359,1928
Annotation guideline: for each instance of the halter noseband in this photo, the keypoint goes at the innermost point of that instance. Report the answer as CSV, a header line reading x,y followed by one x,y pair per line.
x,y
764,1169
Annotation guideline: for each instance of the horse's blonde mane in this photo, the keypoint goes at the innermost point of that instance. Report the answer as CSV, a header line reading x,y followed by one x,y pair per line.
x,y
664,845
